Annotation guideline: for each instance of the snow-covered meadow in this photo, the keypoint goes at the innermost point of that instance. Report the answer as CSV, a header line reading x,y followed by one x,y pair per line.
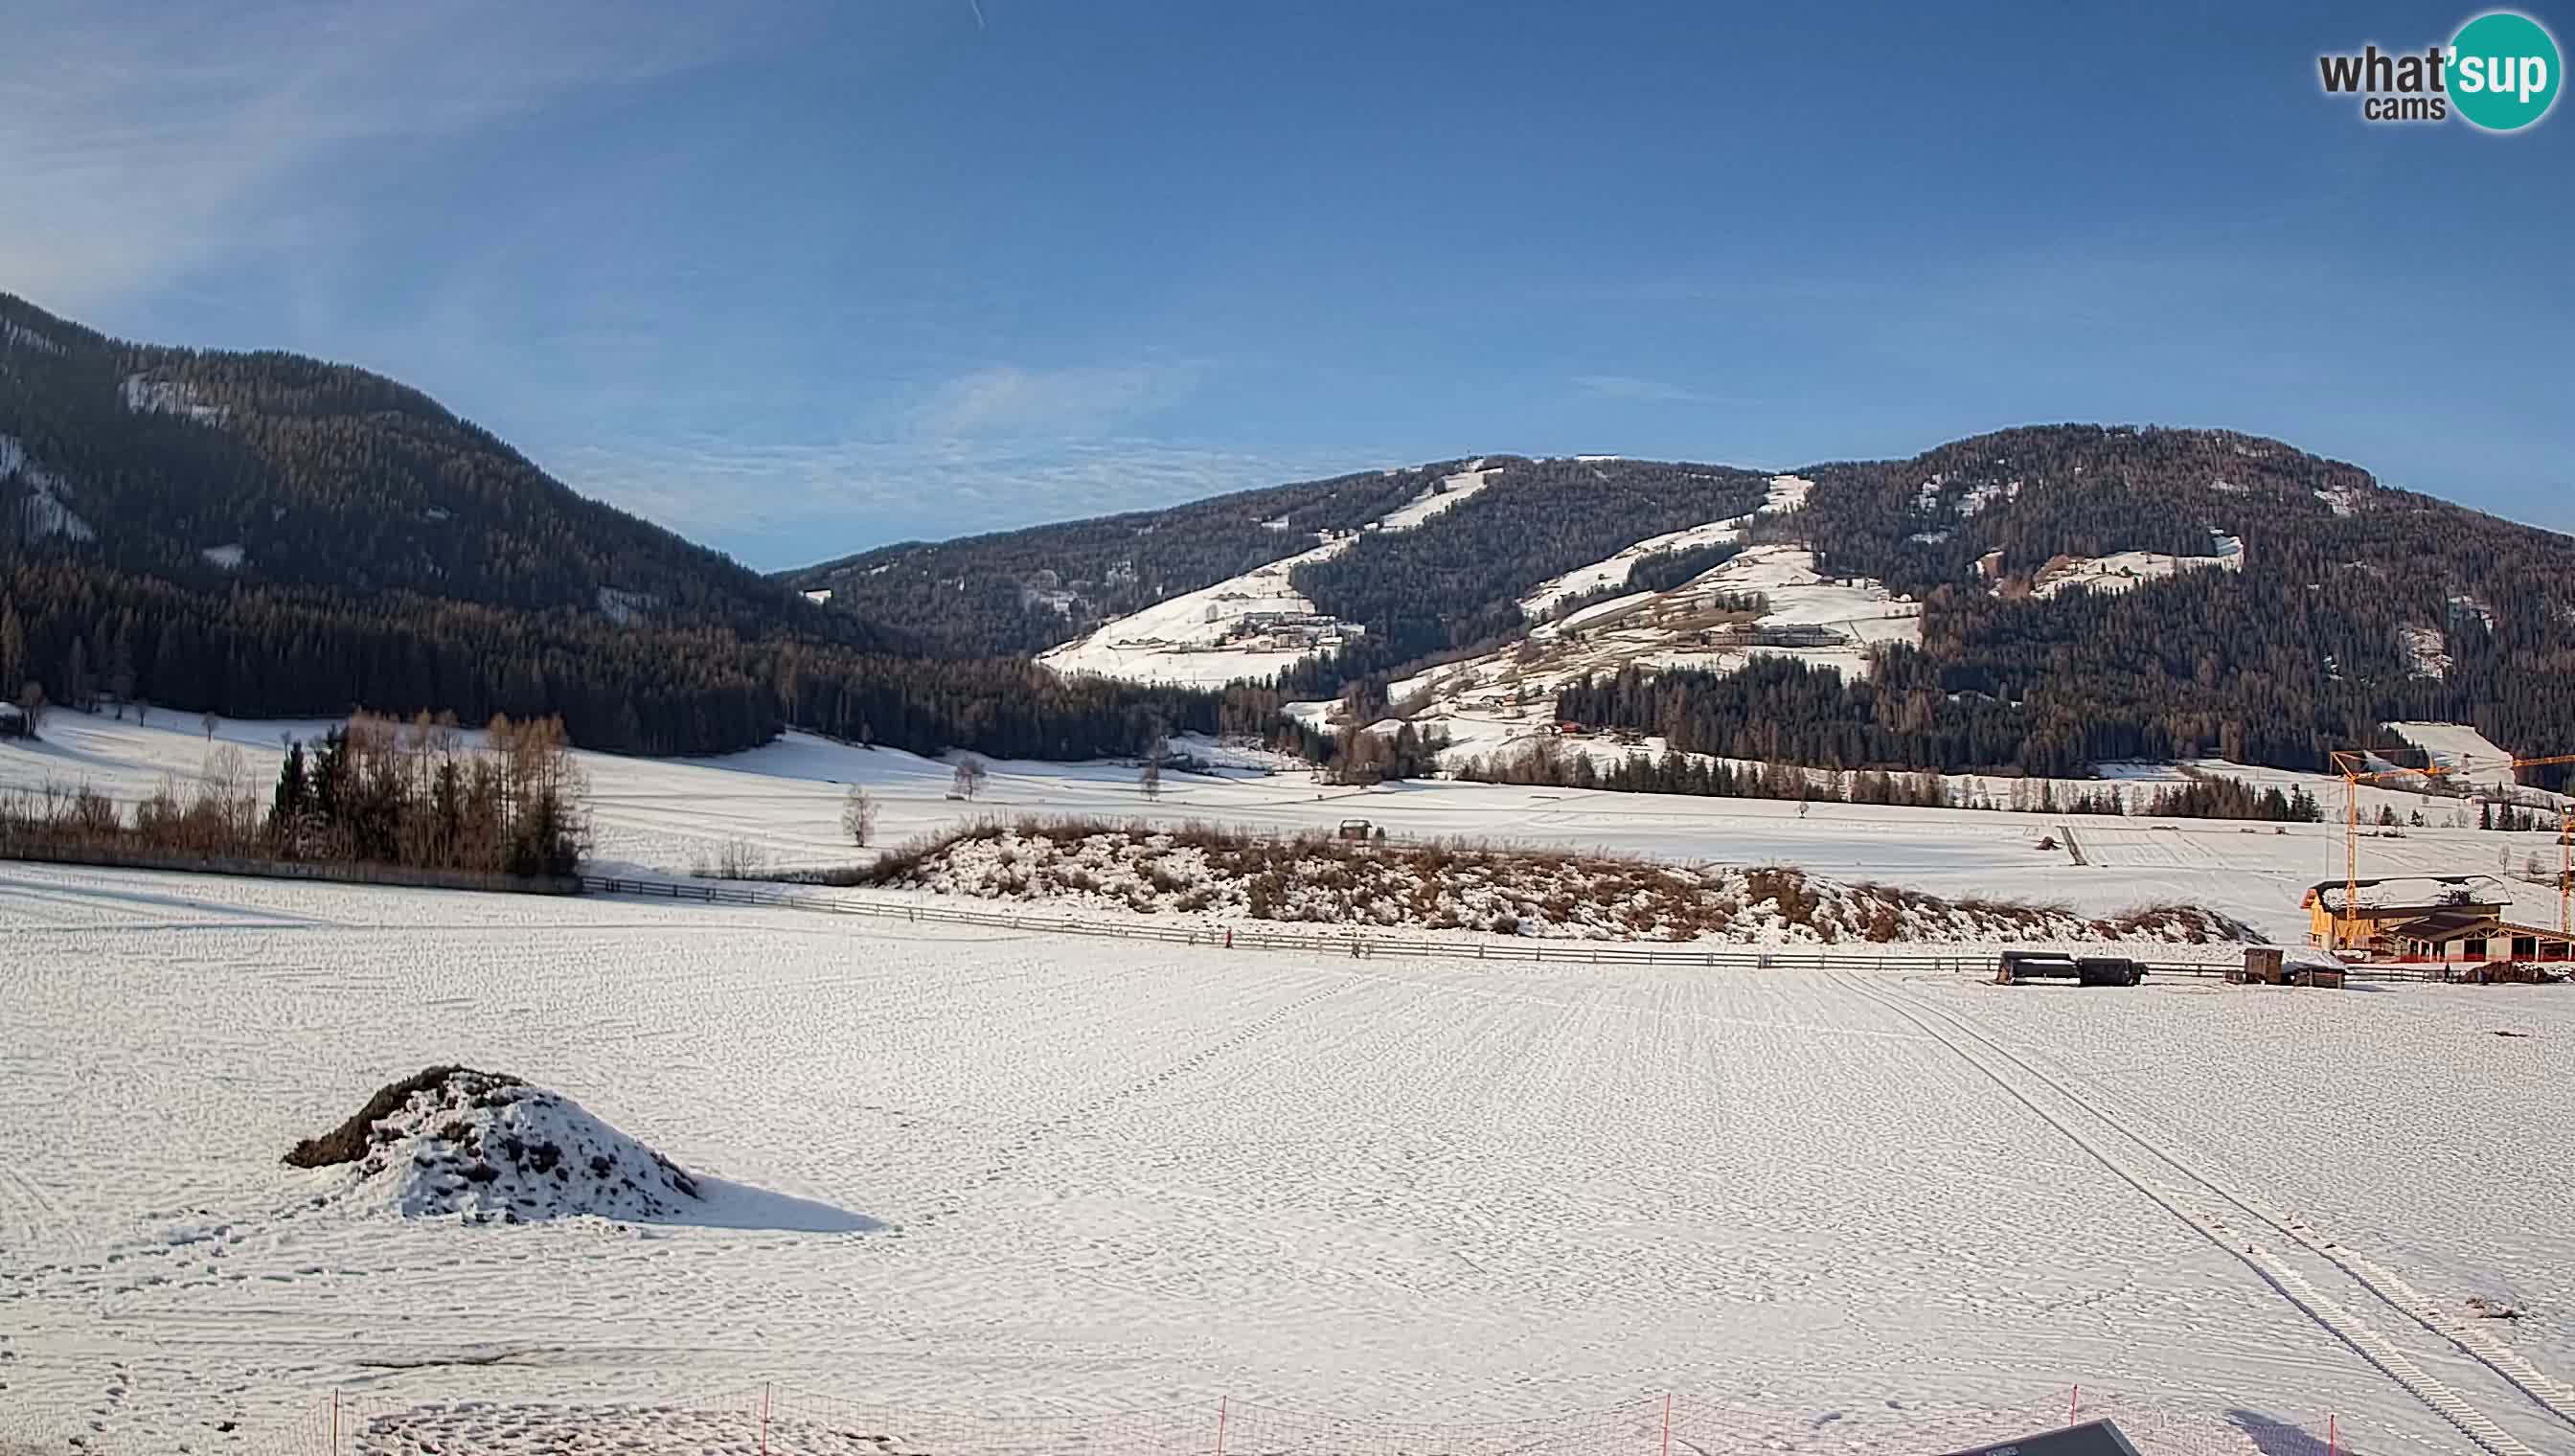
x,y
1830,1212
782,802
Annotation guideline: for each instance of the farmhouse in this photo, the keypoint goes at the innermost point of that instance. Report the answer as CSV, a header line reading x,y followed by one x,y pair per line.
x,y
2430,918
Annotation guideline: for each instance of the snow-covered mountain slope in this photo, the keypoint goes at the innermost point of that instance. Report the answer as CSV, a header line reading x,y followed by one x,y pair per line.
x,y
1250,626
1767,601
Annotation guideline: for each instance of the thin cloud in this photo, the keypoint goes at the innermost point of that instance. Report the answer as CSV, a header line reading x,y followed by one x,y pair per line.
x,y
140,141
1007,400
820,500
1640,391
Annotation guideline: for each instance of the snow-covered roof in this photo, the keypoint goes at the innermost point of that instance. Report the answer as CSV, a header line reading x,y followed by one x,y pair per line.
x,y
2413,892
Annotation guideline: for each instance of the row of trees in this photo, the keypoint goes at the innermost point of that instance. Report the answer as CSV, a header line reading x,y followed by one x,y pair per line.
x,y
1551,761
370,792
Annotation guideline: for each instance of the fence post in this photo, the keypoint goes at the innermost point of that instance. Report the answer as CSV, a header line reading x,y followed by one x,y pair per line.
x,y
2073,1404
765,1391
1668,1424
2331,1435
1221,1402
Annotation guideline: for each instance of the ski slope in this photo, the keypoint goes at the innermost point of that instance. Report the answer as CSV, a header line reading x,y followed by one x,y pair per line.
x,y
1245,626
1847,1214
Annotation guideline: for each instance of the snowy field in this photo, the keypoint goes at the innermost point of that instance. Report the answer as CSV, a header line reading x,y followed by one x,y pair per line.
x,y
1844,1214
784,801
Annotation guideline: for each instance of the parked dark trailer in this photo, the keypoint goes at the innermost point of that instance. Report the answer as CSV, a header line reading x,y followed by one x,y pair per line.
x,y
2109,970
2090,970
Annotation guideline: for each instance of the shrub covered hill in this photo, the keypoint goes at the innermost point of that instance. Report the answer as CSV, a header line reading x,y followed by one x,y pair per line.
x,y
266,534
2066,615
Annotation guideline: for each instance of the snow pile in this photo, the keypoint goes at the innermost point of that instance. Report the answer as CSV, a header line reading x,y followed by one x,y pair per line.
x,y
227,556
2341,499
456,1142
1312,878
2123,571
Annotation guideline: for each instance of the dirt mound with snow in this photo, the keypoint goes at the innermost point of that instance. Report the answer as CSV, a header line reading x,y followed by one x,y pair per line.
x,y
1225,875
483,1146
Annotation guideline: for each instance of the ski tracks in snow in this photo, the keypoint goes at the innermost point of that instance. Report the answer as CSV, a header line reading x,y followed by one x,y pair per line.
x,y
2324,1279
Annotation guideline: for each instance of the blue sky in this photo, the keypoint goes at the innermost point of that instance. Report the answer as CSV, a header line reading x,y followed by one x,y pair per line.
x,y
801,279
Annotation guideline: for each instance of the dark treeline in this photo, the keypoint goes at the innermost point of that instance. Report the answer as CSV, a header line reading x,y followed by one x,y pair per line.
x,y
1666,569
85,633
1551,762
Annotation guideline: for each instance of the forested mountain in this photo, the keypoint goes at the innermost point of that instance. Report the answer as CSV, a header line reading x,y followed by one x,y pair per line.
x,y
2308,604
1445,585
2355,604
265,535
1026,591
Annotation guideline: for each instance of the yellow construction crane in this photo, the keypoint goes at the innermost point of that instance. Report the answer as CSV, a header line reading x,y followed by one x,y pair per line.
x,y
2565,844
2352,766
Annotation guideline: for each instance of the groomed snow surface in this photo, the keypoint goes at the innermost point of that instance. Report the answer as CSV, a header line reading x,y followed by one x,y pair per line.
x,y
1833,1212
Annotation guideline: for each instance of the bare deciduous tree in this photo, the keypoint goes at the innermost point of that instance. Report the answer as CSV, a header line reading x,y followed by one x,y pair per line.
x,y
859,815
968,779
1150,778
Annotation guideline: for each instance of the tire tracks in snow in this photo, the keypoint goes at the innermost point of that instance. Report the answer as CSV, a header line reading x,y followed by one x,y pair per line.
x,y
2544,1390
2202,1205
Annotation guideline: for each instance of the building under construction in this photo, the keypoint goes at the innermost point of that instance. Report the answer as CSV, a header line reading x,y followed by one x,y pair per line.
x,y
2440,918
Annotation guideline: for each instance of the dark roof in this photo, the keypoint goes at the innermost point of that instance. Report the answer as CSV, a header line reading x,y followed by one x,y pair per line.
x,y
2445,925
2388,878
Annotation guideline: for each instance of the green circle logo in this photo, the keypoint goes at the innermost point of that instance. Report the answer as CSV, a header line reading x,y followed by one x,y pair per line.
x,y
2504,71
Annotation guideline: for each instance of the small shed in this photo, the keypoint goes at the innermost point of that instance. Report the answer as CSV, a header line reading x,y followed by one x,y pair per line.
x,y
1356,828
2262,966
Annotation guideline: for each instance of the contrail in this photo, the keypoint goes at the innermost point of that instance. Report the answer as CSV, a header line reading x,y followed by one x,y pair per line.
x,y
979,14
